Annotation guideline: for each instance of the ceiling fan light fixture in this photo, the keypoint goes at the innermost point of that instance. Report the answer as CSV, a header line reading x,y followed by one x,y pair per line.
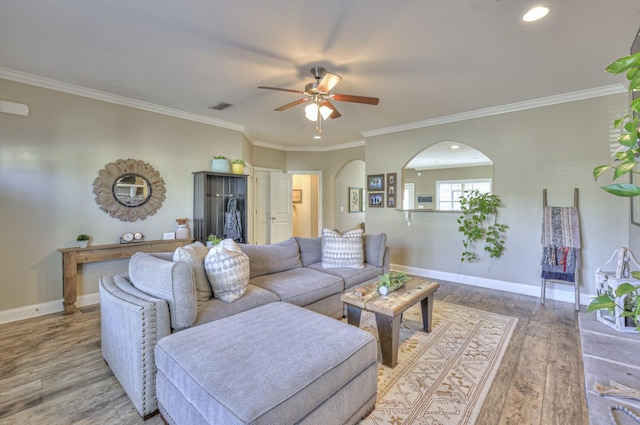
x,y
311,112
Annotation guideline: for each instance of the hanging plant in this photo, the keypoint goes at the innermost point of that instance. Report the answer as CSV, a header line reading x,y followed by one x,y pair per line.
x,y
479,221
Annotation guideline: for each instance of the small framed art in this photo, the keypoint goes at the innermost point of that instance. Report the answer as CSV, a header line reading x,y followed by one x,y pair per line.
x,y
296,196
375,182
391,189
355,199
376,199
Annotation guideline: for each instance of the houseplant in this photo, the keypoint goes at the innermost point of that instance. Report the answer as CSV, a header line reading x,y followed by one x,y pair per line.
x,y
392,281
237,166
627,156
83,240
220,164
478,210
212,240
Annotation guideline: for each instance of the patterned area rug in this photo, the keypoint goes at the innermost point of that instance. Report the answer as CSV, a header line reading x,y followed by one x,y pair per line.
x,y
443,377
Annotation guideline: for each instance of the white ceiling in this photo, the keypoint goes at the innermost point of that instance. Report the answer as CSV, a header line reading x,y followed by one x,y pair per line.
x,y
424,59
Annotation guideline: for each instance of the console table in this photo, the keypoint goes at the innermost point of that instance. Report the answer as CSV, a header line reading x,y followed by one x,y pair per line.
x,y
71,257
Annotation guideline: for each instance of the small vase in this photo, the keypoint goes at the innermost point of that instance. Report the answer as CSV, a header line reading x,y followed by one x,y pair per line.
x,y
237,168
182,232
220,165
83,244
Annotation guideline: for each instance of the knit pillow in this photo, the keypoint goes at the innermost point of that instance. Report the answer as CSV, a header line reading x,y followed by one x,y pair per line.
x,y
194,255
228,270
342,251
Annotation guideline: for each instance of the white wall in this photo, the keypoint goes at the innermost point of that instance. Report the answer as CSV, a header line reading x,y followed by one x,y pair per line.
x,y
553,147
351,175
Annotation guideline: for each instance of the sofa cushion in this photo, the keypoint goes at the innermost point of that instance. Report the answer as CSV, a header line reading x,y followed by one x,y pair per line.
x,y
194,256
310,250
374,246
167,280
300,286
351,277
215,309
228,270
274,258
342,250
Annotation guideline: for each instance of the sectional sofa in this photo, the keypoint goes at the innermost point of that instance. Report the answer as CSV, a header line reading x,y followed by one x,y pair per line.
x,y
160,296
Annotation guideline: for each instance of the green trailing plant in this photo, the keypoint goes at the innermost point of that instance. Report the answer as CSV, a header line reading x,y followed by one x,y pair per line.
x,y
393,280
628,153
479,222
606,300
82,237
219,157
239,161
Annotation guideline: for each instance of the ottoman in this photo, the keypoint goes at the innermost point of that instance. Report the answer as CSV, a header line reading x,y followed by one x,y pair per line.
x,y
275,364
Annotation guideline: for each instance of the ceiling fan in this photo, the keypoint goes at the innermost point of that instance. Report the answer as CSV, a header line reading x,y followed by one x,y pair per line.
x,y
320,95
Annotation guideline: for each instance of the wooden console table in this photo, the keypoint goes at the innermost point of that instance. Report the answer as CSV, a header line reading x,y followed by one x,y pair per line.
x,y
71,257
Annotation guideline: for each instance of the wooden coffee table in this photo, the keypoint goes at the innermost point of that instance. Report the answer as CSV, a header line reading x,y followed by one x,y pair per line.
x,y
388,310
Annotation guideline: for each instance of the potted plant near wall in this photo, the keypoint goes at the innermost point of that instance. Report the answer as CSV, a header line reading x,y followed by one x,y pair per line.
x,y
83,240
220,164
627,157
237,166
212,240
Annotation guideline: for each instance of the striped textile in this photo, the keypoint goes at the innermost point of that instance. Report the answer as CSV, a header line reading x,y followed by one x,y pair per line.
x,y
560,243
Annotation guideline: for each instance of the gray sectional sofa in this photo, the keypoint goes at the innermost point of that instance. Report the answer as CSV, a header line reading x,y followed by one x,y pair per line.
x,y
158,297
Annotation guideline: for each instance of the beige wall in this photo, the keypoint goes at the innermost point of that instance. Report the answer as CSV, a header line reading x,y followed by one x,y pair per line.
x,y
351,175
553,147
48,162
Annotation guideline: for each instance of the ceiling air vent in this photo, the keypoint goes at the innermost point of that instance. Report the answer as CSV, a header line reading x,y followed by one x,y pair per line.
x,y
220,106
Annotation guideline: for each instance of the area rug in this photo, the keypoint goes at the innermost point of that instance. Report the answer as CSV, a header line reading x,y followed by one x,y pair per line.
x,y
442,377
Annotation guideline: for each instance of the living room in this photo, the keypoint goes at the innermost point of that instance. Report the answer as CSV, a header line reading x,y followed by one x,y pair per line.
x,y
51,157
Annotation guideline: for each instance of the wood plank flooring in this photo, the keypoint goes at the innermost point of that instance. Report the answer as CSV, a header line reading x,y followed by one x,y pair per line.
x,y
52,372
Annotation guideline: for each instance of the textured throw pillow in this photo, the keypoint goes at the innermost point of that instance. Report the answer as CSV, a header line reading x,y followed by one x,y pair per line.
x,y
342,251
194,256
228,270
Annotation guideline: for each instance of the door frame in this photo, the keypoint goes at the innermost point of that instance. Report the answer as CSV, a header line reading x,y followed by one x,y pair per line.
x,y
320,193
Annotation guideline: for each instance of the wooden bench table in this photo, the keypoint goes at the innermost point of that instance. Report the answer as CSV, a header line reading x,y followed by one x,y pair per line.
x,y
388,310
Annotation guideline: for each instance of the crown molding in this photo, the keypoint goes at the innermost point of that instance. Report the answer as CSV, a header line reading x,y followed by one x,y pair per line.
x,y
503,109
34,80
310,148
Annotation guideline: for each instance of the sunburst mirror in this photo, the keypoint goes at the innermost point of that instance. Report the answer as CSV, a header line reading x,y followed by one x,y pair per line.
x,y
129,189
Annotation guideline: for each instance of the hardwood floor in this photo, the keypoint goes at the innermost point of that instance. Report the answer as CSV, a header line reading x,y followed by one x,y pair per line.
x,y
52,372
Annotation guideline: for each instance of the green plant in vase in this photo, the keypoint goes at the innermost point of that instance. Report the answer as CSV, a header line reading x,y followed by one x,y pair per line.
x,y
392,281
213,240
630,307
238,165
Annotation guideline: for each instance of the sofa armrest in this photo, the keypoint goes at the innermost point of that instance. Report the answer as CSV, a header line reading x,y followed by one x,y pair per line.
x,y
131,324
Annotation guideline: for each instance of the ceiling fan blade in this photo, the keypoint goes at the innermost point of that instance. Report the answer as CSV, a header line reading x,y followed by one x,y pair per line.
x,y
335,113
328,81
292,104
279,89
356,99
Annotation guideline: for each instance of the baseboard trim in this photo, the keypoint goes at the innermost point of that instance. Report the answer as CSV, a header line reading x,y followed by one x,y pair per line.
x,y
35,310
500,285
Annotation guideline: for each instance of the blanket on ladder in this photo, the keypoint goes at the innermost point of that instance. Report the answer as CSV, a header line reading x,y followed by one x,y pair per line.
x,y
560,243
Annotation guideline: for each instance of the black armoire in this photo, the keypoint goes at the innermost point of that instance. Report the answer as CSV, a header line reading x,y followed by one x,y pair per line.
x,y
211,194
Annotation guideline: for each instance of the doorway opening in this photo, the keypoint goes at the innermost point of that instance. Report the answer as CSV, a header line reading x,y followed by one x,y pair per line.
x,y
307,203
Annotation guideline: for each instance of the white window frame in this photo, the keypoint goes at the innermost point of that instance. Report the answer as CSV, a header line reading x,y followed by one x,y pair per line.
x,y
467,184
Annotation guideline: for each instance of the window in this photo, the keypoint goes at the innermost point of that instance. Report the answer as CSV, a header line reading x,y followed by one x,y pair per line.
x,y
449,191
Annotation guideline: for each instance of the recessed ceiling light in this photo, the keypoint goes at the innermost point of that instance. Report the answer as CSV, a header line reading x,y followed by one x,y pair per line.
x,y
535,13
454,147
317,136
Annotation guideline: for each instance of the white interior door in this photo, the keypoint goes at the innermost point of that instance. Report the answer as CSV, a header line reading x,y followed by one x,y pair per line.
x,y
262,218
280,207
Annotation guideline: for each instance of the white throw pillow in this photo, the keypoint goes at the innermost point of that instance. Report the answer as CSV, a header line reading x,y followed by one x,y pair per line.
x,y
194,255
228,270
342,251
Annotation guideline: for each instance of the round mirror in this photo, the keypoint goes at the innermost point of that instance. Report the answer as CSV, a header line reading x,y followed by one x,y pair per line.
x,y
129,189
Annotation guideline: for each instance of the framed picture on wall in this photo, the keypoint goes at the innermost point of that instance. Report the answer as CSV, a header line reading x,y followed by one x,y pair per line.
x,y
355,199
375,182
391,189
296,196
376,200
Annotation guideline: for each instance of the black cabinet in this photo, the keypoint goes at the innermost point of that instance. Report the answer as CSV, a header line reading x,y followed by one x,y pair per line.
x,y
211,195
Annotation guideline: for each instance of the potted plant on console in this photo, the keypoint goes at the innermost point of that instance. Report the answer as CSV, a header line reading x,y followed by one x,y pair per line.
x,y
220,164
212,240
83,240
